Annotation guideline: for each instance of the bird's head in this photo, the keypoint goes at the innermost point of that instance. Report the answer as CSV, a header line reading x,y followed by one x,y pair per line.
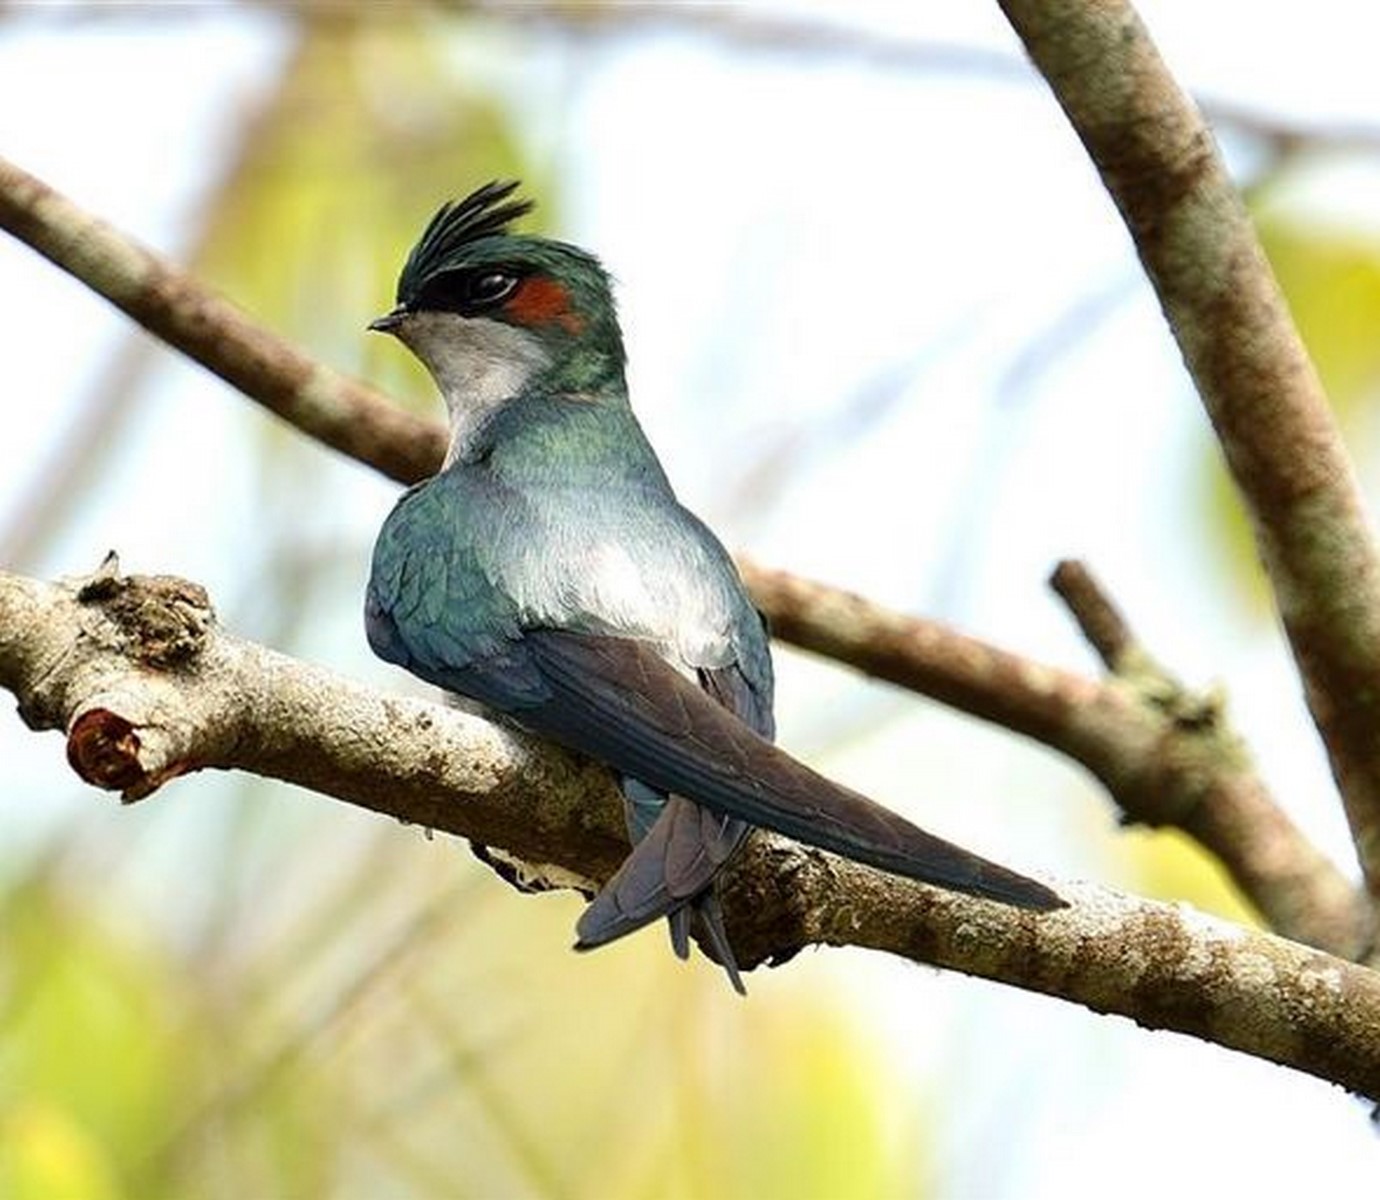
x,y
492,313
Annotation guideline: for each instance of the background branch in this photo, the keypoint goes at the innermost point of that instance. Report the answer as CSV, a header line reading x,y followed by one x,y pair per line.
x,y
1132,733
149,688
757,31
1161,771
1096,613
1282,446
344,414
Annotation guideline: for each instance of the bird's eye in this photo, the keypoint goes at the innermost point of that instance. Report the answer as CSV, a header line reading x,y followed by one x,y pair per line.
x,y
468,291
483,289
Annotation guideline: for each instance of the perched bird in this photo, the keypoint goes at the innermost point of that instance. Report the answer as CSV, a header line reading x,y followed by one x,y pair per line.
x,y
548,572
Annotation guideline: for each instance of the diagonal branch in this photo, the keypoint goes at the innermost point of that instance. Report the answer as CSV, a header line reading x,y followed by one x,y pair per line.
x,y
148,688
1195,239
344,414
1159,773
1161,769
1209,788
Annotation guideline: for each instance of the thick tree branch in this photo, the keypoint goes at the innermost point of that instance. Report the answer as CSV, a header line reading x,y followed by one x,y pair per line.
x,y
147,688
1195,239
1160,772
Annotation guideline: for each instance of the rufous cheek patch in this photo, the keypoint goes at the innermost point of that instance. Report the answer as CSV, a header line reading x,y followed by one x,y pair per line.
x,y
540,300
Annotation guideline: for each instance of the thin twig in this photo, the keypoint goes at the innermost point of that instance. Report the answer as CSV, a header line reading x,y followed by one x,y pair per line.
x,y
1099,619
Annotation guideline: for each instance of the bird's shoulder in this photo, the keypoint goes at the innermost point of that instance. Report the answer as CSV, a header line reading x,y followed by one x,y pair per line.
x,y
429,598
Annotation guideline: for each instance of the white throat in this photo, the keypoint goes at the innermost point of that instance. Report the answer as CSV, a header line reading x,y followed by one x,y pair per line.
x,y
479,365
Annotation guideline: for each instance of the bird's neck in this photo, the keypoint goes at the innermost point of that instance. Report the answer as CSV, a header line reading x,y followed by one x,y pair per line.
x,y
498,368
557,441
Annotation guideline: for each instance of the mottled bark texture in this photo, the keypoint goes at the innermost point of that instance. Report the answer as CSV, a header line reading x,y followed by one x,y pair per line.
x,y
147,687
1282,446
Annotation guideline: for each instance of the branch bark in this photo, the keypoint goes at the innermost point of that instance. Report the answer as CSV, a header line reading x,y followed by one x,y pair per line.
x,y
1166,758
344,414
148,687
1159,771
1282,446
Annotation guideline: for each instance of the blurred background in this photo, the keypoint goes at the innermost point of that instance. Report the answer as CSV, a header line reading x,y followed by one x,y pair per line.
x,y
887,331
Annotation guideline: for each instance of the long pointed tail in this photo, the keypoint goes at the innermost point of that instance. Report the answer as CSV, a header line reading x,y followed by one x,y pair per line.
x,y
621,702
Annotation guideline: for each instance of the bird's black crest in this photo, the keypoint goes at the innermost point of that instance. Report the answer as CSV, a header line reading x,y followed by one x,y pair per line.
x,y
483,213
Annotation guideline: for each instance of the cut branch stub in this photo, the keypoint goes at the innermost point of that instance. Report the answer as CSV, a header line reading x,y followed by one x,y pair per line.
x,y
103,748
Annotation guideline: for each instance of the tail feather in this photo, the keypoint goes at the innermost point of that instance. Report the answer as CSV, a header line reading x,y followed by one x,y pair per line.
x,y
618,700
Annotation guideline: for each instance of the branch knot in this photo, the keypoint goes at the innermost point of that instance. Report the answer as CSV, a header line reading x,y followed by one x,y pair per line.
x,y
161,621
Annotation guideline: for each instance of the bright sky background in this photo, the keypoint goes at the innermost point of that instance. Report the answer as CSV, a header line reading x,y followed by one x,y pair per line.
x,y
821,229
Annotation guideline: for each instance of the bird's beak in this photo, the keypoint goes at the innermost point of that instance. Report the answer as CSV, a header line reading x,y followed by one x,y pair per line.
x,y
389,321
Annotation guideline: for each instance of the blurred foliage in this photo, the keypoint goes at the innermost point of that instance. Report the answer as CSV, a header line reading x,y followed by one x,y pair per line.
x,y
1330,275
92,1059
435,1040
